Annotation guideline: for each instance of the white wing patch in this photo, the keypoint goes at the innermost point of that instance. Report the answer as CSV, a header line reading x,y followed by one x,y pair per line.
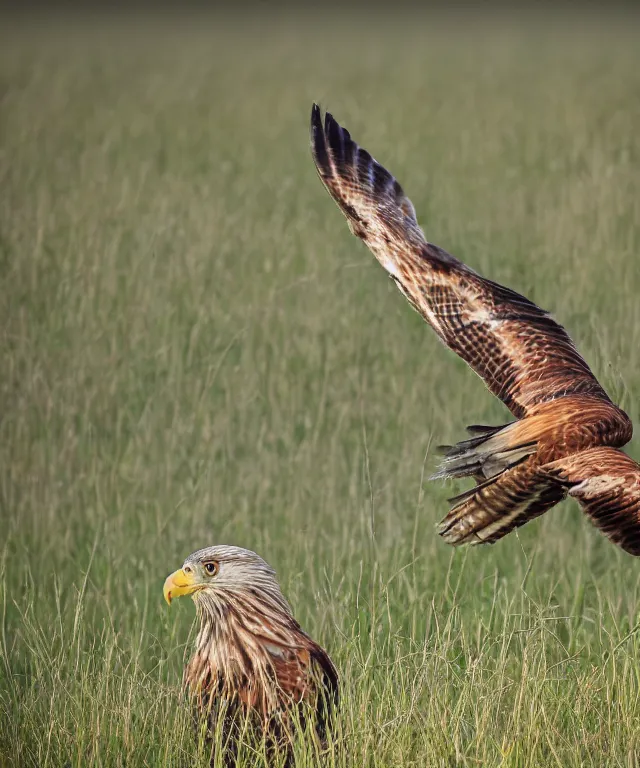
x,y
594,486
482,315
391,267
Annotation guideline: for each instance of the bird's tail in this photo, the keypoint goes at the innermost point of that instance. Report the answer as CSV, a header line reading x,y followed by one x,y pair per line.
x,y
491,451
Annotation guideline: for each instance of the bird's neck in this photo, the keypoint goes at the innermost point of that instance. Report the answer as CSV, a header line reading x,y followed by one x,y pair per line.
x,y
236,647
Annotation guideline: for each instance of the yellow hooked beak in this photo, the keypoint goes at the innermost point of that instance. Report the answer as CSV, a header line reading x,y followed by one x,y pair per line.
x,y
178,584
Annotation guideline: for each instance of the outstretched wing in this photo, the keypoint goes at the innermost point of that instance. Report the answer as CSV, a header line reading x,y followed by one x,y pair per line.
x,y
606,482
522,354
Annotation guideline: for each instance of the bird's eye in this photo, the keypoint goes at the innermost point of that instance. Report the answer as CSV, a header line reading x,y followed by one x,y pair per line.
x,y
211,568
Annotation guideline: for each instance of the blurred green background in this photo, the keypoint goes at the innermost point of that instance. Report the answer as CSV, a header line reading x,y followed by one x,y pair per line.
x,y
195,350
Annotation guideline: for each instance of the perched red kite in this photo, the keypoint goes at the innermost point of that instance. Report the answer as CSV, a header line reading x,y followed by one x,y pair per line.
x,y
567,432
253,664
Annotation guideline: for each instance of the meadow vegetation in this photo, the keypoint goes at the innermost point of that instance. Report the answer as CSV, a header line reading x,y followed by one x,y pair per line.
x,y
195,350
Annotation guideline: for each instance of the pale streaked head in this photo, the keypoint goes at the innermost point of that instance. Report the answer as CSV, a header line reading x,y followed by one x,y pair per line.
x,y
221,572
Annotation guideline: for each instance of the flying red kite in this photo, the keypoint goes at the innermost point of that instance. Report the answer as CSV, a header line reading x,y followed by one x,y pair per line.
x,y
567,430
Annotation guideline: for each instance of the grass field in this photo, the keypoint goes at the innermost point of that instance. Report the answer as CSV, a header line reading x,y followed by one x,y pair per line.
x,y
195,350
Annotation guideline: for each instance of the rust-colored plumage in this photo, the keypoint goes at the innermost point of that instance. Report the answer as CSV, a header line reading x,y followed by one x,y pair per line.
x,y
253,666
564,417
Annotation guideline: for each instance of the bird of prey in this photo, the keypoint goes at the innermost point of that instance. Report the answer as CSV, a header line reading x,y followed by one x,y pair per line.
x,y
254,670
566,433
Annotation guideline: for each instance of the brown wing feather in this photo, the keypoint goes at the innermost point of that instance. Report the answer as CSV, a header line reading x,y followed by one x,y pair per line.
x,y
522,354
486,513
302,669
306,674
606,482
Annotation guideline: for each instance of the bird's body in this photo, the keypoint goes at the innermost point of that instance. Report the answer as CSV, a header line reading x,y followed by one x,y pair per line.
x,y
567,428
254,670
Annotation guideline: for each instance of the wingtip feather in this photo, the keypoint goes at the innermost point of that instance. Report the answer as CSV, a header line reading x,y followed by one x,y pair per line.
x,y
330,142
319,141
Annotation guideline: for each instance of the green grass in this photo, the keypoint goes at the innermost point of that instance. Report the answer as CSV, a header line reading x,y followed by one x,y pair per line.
x,y
195,350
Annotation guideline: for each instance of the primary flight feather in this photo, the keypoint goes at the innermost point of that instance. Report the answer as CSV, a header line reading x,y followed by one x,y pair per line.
x,y
567,430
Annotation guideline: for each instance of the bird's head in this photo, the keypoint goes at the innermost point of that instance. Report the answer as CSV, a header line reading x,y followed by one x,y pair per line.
x,y
222,574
